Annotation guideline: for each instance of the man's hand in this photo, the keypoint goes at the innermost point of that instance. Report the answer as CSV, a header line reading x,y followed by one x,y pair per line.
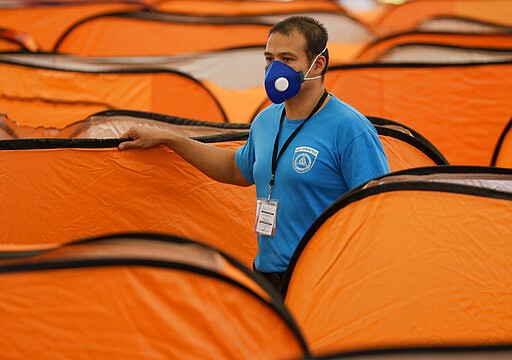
x,y
143,138
216,162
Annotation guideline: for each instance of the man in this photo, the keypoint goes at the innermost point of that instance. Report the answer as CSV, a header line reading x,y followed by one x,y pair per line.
x,y
302,155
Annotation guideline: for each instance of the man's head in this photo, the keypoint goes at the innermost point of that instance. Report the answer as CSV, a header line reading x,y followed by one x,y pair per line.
x,y
295,53
314,33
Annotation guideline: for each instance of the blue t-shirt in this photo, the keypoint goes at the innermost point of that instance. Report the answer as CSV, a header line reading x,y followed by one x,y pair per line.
x,y
336,150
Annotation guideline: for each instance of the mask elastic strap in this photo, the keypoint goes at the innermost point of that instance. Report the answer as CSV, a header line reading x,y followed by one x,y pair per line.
x,y
311,66
313,78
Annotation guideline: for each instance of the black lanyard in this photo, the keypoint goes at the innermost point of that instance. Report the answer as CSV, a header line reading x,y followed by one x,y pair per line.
x,y
275,155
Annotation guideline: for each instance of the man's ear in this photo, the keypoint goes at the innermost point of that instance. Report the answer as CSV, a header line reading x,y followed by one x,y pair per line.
x,y
320,64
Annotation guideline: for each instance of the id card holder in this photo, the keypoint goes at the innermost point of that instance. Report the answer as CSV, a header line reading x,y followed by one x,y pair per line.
x,y
266,217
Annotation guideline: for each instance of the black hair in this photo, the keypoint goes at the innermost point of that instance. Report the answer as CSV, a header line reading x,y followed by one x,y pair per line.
x,y
314,32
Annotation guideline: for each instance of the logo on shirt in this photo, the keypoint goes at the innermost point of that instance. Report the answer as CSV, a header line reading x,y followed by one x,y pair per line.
x,y
304,158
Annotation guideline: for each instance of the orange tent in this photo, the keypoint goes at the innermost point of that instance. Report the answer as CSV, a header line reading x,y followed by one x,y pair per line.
x,y
157,34
345,29
234,76
377,48
196,33
411,13
502,155
461,109
405,148
461,24
114,123
436,53
140,33
46,22
52,91
140,296
236,8
420,257
72,188
173,181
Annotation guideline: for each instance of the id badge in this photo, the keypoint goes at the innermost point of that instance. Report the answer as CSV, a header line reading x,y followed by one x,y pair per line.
x,y
266,217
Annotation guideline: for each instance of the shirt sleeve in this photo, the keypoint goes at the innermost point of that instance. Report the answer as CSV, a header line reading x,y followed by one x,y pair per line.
x,y
245,159
364,159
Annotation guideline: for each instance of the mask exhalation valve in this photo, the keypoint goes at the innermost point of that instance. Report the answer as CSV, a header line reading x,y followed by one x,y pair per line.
x,y
281,84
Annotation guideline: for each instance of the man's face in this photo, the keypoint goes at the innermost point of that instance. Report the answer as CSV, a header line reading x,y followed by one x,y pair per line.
x,y
289,49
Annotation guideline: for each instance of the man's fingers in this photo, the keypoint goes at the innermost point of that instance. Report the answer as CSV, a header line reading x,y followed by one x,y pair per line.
x,y
139,138
129,144
129,139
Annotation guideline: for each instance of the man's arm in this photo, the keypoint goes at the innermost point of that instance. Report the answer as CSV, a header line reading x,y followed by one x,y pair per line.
x,y
217,163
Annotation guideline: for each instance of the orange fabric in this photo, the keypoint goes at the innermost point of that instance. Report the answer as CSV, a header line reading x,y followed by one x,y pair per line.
x,y
504,156
47,23
124,36
119,36
235,274
240,8
52,98
239,104
180,96
407,268
136,313
497,11
73,193
402,155
460,109
340,53
409,14
6,45
112,125
372,51
41,112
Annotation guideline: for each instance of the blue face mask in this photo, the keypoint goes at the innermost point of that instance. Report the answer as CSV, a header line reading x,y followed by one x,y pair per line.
x,y
282,82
